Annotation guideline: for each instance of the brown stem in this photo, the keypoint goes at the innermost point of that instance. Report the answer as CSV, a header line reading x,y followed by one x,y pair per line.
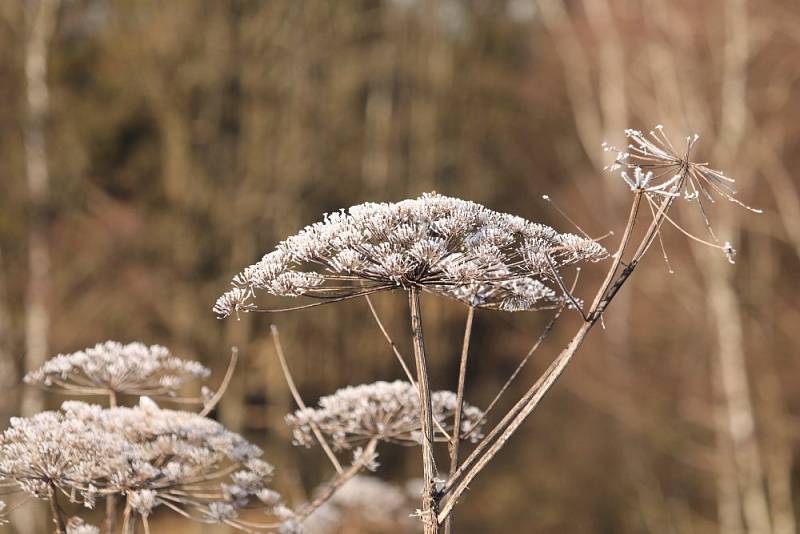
x,y
429,497
55,510
111,513
456,439
111,501
276,339
127,524
340,479
226,380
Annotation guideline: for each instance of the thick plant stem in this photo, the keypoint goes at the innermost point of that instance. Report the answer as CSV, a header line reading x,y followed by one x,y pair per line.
x,y
111,500
111,514
429,496
58,516
127,524
456,439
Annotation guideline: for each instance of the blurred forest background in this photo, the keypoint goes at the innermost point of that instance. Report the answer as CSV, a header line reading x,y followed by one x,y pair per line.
x,y
150,149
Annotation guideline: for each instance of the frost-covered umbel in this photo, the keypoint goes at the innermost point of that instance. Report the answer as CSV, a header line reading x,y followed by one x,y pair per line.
x,y
388,411
113,367
440,244
659,168
147,455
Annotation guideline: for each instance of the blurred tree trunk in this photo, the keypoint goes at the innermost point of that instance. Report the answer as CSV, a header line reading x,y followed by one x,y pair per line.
x,y
379,107
8,365
724,307
739,419
776,419
40,21
40,17
431,71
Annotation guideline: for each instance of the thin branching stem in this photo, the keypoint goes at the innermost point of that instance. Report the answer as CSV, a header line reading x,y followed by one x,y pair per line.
x,y
391,343
563,287
456,439
226,380
338,481
276,340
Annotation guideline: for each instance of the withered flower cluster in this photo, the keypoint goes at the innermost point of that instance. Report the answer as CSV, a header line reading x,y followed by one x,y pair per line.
x,y
387,411
142,457
113,367
439,244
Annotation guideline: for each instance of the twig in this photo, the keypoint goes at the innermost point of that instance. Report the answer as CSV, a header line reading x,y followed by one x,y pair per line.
x,y
226,380
456,439
276,340
326,301
389,340
563,287
429,497
338,481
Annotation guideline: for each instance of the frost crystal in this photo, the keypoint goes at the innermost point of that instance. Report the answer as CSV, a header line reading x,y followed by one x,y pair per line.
x,y
442,245
388,411
111,367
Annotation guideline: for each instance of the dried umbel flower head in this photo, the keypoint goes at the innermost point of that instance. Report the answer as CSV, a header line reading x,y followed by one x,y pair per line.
x,y
175,452
387,411
439,244
659,168
57,451
113,367
148,455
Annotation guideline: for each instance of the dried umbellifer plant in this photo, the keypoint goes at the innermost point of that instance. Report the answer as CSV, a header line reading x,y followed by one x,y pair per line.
x,y
484,259
142,457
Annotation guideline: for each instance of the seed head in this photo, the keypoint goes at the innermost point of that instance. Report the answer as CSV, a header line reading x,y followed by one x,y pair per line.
x,y
388,411
133,369
440,244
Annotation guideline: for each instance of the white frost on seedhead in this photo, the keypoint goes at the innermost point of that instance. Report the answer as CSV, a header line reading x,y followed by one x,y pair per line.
x,y
387,411
146,455
440,244
132,368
